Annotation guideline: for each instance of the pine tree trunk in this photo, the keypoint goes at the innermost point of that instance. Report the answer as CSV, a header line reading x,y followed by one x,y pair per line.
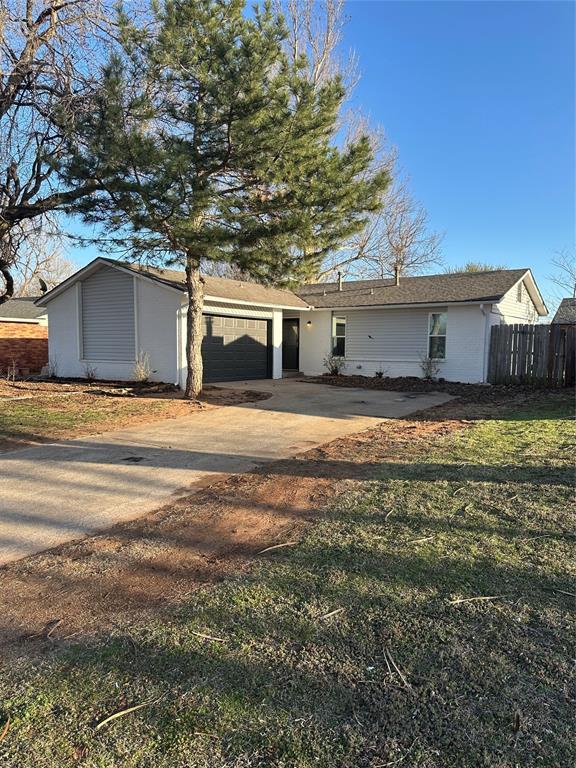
x,y
195,290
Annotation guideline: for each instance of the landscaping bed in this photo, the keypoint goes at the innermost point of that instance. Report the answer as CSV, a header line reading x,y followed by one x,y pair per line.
x,y
419,612
480,393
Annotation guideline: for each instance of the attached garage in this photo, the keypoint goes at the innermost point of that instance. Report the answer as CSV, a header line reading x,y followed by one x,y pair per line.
x,y
236,348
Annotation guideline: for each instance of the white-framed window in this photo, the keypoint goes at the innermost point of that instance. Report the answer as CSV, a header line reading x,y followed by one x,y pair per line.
x,y
437,322
338,336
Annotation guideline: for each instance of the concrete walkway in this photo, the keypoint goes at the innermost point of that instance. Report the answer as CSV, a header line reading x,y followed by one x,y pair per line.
x,y
58,492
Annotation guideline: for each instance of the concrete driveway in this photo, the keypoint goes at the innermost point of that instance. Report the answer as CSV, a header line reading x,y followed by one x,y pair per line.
x,y
62,491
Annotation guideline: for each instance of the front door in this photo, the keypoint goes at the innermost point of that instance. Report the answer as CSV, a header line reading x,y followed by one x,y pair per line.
x,y
290,344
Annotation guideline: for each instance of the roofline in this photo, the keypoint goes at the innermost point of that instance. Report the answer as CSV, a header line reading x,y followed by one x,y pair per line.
x,y
37,320
473,303
542,309
305,308
42,301
63,286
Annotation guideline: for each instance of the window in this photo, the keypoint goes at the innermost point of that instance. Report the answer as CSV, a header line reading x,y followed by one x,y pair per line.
x,y
519,295
437,336
339,336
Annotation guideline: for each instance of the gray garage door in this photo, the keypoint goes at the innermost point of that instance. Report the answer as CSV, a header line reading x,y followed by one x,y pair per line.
x,y
236,348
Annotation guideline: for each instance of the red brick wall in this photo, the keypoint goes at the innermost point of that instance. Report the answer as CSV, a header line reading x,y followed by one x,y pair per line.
x,y
25,345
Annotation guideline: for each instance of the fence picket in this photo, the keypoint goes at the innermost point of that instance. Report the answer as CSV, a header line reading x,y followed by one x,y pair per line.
x,y
532,354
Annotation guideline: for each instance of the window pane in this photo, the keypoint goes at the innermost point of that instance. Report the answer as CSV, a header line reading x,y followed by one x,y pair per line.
x,y
340,328
437,347
438,324
339,346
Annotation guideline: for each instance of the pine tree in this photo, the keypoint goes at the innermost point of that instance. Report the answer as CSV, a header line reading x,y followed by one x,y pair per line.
x,y
210,146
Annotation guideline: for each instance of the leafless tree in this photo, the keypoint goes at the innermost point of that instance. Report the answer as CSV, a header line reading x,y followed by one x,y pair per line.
x,y
564,276
399,235
48,50
41,260
474,266
315,30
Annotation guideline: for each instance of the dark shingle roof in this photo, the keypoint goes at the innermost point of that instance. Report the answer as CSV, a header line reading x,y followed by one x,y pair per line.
x,y
222,288
21,309
566,312
428,289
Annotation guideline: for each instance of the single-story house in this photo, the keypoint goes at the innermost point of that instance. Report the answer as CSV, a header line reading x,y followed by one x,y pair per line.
x,y
566,313
23,336
111,314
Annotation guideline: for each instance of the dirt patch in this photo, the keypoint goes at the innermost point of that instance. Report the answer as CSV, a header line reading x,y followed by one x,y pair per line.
x,y
151,564
37,412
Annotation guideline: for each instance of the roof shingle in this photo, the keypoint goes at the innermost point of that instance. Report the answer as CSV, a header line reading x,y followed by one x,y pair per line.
x,y
222,288
21,308
566,312
427,289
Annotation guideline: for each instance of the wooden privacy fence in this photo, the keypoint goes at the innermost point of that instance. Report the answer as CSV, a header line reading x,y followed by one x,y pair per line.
x,y
533,354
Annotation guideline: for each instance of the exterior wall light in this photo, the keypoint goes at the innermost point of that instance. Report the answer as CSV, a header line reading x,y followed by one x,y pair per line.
x,y
309,323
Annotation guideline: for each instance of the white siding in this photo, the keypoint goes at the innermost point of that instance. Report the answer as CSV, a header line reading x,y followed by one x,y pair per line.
x,y
315,340
509,310
395,340
156,334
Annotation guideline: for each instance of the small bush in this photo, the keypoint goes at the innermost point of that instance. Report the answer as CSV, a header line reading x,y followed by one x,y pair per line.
x,y
430,368
334,364
141,370
52,368
380,372
90,372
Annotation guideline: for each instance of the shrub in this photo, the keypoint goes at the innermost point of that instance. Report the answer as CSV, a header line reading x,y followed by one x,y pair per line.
x,y
90,372
430,368
141,370
334,364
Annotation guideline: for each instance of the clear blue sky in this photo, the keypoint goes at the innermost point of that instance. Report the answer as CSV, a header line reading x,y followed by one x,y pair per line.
x,y
478,97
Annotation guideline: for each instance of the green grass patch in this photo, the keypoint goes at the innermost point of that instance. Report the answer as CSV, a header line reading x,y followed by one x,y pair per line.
x,y
403,675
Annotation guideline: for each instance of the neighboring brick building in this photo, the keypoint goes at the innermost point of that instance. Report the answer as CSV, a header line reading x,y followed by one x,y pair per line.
x,y
23,337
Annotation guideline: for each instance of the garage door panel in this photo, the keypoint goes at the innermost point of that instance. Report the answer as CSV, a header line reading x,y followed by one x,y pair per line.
x,y
235,348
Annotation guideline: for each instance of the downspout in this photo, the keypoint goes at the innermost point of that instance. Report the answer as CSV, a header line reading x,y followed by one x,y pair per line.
x,y
486,351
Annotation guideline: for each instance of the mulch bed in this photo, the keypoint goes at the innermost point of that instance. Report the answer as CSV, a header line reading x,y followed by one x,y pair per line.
x,y
478,393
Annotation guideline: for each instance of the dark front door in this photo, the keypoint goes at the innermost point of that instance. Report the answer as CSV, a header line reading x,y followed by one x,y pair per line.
x,y
236,348
290,344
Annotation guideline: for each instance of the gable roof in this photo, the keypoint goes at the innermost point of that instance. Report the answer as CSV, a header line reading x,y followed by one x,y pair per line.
x,y
449,288
21,308
215,288
221,288
566,312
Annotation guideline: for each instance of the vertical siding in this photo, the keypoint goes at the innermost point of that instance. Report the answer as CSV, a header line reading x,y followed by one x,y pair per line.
x,y
156,334
108,316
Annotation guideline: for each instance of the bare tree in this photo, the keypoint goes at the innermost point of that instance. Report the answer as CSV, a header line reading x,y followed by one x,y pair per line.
x,y
564,276
40,264
399,235
315,30
47,52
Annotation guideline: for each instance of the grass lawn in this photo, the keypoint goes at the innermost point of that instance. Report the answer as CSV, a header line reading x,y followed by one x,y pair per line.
x,y
38,411
426,619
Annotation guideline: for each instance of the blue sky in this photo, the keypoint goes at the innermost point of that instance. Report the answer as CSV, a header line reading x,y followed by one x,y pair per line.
x,y
478,97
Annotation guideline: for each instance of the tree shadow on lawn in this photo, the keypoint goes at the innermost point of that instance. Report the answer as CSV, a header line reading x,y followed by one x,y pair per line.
x,y
284,683
399,675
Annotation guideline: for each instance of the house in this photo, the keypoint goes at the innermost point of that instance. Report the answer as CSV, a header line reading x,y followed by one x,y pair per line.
x,y
110,314
566,313
23,336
